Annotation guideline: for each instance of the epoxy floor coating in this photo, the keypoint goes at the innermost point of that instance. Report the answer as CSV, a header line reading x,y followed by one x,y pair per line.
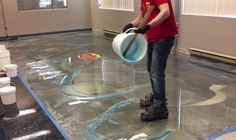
x,y
98,98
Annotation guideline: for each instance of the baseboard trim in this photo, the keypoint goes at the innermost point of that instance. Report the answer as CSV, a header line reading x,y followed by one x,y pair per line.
x,y
213,55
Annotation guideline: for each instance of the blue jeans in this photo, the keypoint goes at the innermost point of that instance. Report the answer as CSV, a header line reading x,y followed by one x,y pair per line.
x,y
157,56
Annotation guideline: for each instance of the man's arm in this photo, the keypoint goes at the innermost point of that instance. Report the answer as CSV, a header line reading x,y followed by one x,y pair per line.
x,y
138,20
162,16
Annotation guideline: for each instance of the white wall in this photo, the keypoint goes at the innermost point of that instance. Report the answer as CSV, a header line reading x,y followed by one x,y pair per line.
x,y
113,20
214,34
76,16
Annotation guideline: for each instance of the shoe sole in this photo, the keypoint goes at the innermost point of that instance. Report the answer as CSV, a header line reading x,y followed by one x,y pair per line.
x,y
159,117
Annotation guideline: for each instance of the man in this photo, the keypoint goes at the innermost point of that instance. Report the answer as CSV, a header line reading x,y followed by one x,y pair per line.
x,y
160,30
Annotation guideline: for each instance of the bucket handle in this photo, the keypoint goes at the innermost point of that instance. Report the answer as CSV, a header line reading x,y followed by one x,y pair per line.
x,y
13,84
127,31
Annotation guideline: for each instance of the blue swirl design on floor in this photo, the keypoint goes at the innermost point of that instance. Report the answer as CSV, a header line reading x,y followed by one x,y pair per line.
x,y
223,133
107,115
67,89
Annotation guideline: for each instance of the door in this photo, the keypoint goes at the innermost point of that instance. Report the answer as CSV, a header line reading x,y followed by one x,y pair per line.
x,y
2,24
76,15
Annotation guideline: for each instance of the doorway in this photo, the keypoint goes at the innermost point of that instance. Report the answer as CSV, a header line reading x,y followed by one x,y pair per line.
x,y
2,21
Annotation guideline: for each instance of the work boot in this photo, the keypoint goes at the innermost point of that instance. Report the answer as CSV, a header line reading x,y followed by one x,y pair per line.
x,y
155,113
147,101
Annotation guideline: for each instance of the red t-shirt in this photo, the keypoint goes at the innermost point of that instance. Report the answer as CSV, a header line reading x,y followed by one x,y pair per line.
x,y
163,30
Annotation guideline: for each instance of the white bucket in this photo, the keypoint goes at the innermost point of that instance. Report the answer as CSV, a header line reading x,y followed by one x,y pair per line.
x,y
4,58
5,81
8,95
11,70
137,50
2,48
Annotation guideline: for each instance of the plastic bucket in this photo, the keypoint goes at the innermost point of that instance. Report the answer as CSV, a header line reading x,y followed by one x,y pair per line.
x,y
8,95
4,58
137,50
2,48
11,70
5,81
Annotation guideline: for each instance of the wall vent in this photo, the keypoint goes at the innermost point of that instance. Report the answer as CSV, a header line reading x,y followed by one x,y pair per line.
x,y
110,34
213,55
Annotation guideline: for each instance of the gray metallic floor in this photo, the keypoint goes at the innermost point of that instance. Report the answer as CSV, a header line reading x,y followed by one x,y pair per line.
x,y
98,98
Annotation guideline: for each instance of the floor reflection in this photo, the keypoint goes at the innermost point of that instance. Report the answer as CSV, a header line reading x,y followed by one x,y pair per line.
x,y
98,78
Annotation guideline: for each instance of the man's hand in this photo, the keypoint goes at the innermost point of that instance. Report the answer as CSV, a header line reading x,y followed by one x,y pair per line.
x,y
143,29
128,26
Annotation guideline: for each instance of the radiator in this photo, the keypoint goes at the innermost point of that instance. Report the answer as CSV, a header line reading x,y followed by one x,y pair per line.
x,y
110,34
212,55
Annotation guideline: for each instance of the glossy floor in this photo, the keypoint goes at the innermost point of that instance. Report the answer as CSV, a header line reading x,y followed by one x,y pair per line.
x,y
98,98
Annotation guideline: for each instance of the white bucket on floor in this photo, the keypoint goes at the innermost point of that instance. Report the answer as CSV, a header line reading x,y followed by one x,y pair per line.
x,y
137,50
5,81
2,48
11,70
4,58
8,95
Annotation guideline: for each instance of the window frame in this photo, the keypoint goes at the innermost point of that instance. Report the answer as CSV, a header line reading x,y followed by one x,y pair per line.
x,y
220,14
52,7
115,8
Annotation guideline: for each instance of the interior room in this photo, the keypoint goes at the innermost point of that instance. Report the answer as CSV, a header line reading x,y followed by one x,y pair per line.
x,y
117,69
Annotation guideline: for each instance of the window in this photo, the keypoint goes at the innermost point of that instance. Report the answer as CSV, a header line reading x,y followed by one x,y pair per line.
x,y
41,4
45,4
126,5
226,8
